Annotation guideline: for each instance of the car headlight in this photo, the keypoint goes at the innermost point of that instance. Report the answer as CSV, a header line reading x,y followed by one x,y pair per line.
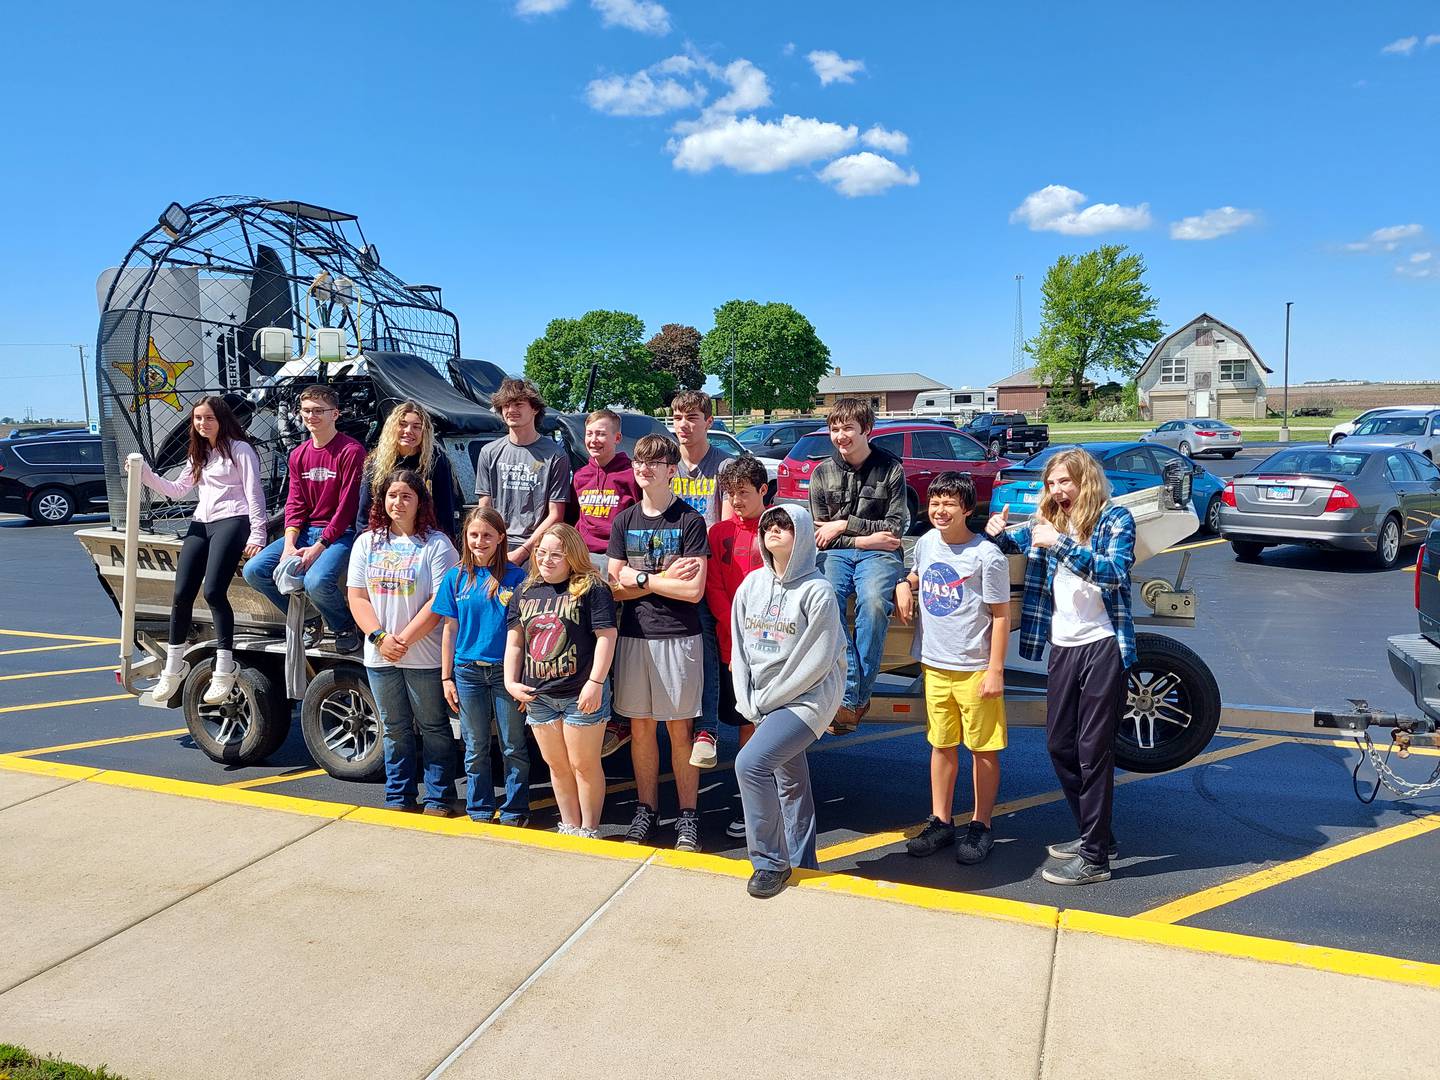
x,y
1407,445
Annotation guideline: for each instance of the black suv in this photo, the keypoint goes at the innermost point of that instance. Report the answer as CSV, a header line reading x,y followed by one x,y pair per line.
x,y
52,477
774,440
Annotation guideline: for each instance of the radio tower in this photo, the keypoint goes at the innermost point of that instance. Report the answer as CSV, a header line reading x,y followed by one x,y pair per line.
x,y
1017,359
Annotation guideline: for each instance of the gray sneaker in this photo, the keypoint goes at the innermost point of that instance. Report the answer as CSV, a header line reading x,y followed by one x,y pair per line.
x,y
1072,848
975,844
1076,872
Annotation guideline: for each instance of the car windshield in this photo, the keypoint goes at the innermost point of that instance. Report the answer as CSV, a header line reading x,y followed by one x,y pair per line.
x,y
1392,425
725,442
812,447
1308,462
753,435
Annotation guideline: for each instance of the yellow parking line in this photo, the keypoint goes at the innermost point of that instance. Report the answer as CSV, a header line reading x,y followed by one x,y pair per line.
x,y
862,844
1227,892
1349,744
1407,569
1200,544
57,648
89,639
48,674
279,778
58,704
171,733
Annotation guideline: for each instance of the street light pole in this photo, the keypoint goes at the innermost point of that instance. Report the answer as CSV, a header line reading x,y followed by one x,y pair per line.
x,y
1285,406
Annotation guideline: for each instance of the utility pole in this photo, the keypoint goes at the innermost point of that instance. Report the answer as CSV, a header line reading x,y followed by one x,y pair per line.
x,y
734,405
1285,406
84,387
1017,356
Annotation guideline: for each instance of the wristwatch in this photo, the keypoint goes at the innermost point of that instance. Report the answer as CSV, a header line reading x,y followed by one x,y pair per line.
x,y
375,635
642,579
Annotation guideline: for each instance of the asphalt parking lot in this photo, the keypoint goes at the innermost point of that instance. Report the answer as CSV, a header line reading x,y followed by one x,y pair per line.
x,y
1261,835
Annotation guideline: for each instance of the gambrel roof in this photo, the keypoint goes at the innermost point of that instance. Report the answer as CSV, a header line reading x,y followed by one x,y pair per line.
x,y
1202,317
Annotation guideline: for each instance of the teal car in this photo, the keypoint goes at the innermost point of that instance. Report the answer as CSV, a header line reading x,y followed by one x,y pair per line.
x,y
1129,466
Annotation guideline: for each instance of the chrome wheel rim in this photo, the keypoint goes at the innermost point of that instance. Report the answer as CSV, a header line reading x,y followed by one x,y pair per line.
x,y
53,507
348,725
1157,706
228,722
1212,518
1390,542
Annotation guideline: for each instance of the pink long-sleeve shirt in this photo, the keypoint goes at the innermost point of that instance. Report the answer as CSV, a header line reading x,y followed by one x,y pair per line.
x,y
229,487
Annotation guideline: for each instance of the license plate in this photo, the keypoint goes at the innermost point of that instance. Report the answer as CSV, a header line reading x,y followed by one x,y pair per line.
x,y
1280,494
803,485
1030,497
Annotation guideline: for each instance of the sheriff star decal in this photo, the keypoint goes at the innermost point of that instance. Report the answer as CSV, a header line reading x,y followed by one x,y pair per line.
x,y
155,377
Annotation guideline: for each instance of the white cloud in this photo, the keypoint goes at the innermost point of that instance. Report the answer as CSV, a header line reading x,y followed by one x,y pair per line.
x,y
830,67
644,16
749,88
540,7
1401,46
1056,208
892,142
1388,238
641,95
866,174
789,49
753,146
1432,39
675,65
1422,256
1211,224
1420,265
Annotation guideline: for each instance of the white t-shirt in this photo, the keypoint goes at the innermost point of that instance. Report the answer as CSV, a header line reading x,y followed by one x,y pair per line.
x,y
401,575
958,583
1080,616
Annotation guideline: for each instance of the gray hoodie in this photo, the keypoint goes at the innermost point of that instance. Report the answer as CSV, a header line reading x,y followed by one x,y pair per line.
x,y
789,650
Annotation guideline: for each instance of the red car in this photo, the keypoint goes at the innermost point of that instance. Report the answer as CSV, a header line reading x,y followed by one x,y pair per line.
x,y
925,450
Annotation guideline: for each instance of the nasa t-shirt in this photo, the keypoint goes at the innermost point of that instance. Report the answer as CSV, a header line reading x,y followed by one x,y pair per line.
x,y
558,634
958,583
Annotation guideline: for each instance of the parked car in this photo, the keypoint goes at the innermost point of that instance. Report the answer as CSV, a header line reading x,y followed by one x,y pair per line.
x,y
1354,497
1409,429
1007,433
774,440
52,477
1415,658
1196,436
1129,466
732,446
1347,427
924,448
32,430
943,421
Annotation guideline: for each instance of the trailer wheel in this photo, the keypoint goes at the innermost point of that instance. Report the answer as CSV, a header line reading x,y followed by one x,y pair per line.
x,y
1172,707
341,724
245,728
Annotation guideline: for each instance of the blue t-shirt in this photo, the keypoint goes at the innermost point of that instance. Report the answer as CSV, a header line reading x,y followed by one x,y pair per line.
x,y
481,631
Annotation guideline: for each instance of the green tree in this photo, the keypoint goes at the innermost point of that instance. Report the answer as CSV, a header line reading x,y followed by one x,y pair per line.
x,y
559,363
676,349
1097,314
766,356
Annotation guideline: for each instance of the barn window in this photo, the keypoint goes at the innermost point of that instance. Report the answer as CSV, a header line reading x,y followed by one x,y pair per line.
x,y
1205,336
1173,369
1232,370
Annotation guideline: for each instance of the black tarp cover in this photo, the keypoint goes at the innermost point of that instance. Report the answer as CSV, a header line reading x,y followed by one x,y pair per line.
x,y
401,376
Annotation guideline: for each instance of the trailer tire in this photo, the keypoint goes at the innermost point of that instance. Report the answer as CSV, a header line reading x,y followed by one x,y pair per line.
x,y
245,728
1172,707
341,724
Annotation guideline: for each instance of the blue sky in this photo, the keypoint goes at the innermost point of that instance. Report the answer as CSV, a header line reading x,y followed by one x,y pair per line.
x,y
948,148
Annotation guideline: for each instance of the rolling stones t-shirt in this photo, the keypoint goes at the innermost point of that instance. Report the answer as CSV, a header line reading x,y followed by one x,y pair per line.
x,y
958,583
558,634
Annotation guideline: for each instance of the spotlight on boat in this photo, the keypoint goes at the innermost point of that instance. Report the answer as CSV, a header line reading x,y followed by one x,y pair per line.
x,y
174,220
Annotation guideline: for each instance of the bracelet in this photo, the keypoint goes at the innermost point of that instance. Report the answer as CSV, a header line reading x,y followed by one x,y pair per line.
x,y
447,678
597,682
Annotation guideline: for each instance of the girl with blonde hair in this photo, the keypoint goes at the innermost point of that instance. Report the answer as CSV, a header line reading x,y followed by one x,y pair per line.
x,y
1079,552
407,441
560,643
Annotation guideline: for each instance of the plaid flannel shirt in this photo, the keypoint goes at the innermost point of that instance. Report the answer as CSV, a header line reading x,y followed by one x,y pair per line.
x,y
1106,563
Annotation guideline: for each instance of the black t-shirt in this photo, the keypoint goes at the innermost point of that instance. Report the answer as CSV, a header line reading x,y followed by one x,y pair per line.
x,y
558,633
652,544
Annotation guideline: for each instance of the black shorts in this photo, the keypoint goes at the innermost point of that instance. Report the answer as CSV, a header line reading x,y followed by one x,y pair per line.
x,y
728,714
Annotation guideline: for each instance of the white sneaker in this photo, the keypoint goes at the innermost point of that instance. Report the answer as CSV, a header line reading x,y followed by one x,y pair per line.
x,y
567,830
221,684
702,751
736,830
168,684
588,834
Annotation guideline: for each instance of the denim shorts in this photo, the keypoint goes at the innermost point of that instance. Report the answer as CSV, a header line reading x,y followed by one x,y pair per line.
x,y
545,710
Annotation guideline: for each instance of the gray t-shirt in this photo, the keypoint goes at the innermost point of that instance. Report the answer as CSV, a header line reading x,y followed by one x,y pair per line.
x,y
401,574
522,481
958,582
700,486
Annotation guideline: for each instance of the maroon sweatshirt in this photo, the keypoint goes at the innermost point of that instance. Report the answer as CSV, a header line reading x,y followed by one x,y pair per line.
x,y
601,492
325,485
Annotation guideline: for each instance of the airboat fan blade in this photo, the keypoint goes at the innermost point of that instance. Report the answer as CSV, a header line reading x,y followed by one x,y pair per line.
x,y
270,304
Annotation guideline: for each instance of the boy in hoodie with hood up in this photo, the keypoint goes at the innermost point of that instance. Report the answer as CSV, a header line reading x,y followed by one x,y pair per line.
x,y
788,666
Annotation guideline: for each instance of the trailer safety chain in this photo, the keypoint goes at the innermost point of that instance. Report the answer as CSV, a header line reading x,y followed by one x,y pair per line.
x,y
1386,776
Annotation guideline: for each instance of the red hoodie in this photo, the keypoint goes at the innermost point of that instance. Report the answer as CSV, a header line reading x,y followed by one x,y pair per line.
x,y
601,492
734,552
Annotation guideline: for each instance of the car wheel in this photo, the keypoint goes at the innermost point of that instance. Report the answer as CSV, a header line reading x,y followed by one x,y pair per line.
x,y
912,504
1335,440
1228,454
52,506
244,729
341,724
995,447
1212,516
770,489
1171,709
1184,448
1246,550
1387,544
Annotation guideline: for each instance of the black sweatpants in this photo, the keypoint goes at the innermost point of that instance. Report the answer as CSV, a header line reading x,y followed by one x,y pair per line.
x,y
209,555
1083,694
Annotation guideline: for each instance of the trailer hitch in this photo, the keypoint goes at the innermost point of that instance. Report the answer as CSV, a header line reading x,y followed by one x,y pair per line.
x,y
1403,730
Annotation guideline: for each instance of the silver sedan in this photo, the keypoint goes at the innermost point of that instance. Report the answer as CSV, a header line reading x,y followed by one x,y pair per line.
x,y
1197,436
1355,497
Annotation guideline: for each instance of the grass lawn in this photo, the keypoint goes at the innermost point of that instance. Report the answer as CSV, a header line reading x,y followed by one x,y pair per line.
x,y
1302,429
17,1063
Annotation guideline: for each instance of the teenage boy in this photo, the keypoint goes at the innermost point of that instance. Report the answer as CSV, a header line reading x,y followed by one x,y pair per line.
x,y
962,583
658,556
734,552
697,481
325,478
857,498
523,476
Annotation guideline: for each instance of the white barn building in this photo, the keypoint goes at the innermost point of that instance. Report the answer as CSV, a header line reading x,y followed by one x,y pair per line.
x,y
1205,368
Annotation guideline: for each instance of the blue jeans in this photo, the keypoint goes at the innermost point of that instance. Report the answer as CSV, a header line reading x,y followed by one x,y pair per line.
x,y
483,698
774,780
709,719
870,577
546,710
409,698
324,581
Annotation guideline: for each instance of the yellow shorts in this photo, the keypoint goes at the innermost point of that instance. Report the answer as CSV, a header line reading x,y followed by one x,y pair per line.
x,y
955,712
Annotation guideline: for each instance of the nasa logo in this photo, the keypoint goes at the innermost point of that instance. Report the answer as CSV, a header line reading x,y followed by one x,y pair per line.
x,y
942,589
545,638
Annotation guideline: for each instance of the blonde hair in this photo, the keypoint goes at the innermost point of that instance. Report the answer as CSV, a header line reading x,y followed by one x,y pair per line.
x,y
485,515
577,557
387,449
1089,501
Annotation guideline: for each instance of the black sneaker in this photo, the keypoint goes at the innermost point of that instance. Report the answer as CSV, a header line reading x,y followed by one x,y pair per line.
x,y
975,844
314,631
1076,872
935,835
687,831
348,641
767,883
641,824
1071,849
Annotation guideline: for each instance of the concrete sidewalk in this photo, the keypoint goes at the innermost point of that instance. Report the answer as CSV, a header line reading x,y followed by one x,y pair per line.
x,y
174,930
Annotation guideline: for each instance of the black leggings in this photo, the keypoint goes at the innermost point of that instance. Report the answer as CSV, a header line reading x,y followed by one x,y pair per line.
x,y
211,553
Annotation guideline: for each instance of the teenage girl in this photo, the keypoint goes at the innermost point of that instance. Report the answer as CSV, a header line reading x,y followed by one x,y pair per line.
x,y
407,441
472,598
1079,552
229,521
557,657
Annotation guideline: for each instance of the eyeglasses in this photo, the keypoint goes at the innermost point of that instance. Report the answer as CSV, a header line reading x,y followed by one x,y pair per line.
x,y
318,410
649,466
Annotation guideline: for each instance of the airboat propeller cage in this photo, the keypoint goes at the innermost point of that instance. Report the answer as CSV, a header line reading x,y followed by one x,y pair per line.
x,y
1178,480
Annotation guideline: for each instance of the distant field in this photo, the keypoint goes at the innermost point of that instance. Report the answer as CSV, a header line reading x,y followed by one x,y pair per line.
x,y
1302,428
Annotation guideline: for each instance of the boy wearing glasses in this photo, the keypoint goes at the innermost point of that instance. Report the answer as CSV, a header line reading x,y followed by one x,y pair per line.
x,y
320,509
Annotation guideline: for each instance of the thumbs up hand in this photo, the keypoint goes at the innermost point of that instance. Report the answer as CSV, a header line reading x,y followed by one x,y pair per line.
x,y
996,525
